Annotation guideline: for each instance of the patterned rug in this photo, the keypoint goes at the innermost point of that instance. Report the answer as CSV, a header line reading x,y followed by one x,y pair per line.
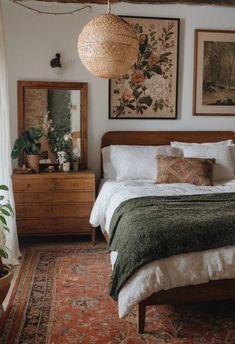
x,y
61,296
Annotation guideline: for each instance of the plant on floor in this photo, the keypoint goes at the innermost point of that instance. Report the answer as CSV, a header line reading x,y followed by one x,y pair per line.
x,y
6,273
5,211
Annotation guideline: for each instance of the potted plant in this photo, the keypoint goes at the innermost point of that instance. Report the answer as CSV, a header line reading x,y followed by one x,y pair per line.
x,y
61,145
6,272
28,143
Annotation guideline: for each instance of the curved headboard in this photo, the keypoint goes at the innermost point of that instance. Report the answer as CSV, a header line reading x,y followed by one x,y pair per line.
x,y
158,138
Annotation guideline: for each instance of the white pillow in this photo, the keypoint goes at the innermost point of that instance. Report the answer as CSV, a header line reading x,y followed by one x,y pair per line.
x,y
108,168
223,168
218,170
181,145
138,162
232,149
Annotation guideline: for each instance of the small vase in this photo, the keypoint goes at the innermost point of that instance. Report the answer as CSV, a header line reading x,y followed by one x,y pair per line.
x,y
33,162
66,166
75,165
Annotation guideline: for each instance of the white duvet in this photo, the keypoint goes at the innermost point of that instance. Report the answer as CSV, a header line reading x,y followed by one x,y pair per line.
x,y
176,271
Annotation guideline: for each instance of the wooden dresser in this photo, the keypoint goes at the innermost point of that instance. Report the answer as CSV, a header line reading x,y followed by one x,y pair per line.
x,y
54,203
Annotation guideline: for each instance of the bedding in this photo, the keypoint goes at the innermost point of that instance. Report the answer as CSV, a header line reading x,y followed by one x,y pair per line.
x,y
171,272
184,170
233,156
108,168
181,145
224,164
123,162
148,228
220,151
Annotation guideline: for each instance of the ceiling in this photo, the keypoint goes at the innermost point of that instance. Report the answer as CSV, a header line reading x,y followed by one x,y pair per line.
x,y
195,2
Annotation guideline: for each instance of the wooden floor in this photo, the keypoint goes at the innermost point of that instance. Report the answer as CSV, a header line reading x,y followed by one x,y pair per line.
x,y
57,240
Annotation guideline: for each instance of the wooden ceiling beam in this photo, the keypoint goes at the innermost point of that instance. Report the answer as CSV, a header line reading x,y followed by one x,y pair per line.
x,y
162,2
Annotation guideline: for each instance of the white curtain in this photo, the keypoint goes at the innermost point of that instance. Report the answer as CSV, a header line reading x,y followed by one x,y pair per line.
x,y
5,149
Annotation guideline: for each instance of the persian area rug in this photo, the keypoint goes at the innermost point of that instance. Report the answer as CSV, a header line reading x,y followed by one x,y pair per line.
x,y
61,296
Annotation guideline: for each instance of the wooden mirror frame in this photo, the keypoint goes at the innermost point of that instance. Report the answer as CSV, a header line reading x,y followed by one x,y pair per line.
x,y
80,86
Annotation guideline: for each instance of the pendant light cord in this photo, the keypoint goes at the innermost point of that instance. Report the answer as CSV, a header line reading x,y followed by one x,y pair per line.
x,y
109,7
50,13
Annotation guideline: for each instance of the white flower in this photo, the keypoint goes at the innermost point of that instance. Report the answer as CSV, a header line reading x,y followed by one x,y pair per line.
x,y
61,157
156,86
67,137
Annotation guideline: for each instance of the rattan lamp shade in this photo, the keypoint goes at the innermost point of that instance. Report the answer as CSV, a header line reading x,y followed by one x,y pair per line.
x,y
108,46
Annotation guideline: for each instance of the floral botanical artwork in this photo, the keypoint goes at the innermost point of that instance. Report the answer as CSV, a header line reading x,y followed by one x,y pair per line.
x,y
149,88
214,91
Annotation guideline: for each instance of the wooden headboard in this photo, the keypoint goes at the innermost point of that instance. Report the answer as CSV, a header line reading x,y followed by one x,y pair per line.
x,y
158,138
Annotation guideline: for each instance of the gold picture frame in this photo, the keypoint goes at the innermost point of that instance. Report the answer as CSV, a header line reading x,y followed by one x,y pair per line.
x,y
214,73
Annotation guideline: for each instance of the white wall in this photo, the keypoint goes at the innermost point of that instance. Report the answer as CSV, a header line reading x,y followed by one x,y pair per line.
x,y
33,39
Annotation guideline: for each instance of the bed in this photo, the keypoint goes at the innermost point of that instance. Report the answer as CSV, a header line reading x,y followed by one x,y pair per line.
x,y
217,286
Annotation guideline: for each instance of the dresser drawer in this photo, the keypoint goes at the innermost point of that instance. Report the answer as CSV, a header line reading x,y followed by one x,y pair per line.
x,y
73,197
33,197
49,197
30,185
52,211
73,184
48,225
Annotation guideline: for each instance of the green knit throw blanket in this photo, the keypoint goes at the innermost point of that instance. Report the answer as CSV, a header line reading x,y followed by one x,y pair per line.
x,y
148,228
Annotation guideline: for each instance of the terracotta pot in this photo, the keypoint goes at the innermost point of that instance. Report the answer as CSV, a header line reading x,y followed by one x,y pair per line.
x,y
5,283
33,162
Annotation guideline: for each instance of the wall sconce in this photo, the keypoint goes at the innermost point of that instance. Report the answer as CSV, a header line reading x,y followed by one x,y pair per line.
x,y
56,64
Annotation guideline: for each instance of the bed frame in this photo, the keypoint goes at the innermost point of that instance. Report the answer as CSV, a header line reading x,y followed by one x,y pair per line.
x,y
212,290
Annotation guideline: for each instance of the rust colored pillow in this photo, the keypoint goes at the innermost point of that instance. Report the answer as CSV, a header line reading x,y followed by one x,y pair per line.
x,y
184,170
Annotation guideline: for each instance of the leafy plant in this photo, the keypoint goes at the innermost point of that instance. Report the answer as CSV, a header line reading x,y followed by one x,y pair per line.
x,y
59,137
27,142
60,142
5,211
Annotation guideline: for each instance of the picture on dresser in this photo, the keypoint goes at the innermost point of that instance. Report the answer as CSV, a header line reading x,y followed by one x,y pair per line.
x,y
60,110
149,89
214,77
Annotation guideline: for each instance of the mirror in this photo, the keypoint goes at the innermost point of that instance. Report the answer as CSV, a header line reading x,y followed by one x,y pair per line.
x,y
61,109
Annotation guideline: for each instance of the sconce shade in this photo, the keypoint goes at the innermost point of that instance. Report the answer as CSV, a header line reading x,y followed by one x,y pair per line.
x,y
108,46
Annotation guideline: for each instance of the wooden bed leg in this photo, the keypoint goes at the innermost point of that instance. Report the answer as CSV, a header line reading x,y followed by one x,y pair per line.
x,y
93,236
140,317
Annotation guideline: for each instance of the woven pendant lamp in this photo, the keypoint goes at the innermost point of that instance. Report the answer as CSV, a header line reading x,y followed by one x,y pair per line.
x,y
108,46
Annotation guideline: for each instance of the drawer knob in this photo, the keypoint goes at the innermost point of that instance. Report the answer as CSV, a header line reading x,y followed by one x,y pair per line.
x,y
28,186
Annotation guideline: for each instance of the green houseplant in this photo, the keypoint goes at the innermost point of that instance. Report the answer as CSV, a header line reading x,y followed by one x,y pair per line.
x,y
28,142
6,273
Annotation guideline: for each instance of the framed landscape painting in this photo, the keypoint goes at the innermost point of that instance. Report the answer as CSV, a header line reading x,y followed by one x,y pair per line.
x,y
149,89
214,75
